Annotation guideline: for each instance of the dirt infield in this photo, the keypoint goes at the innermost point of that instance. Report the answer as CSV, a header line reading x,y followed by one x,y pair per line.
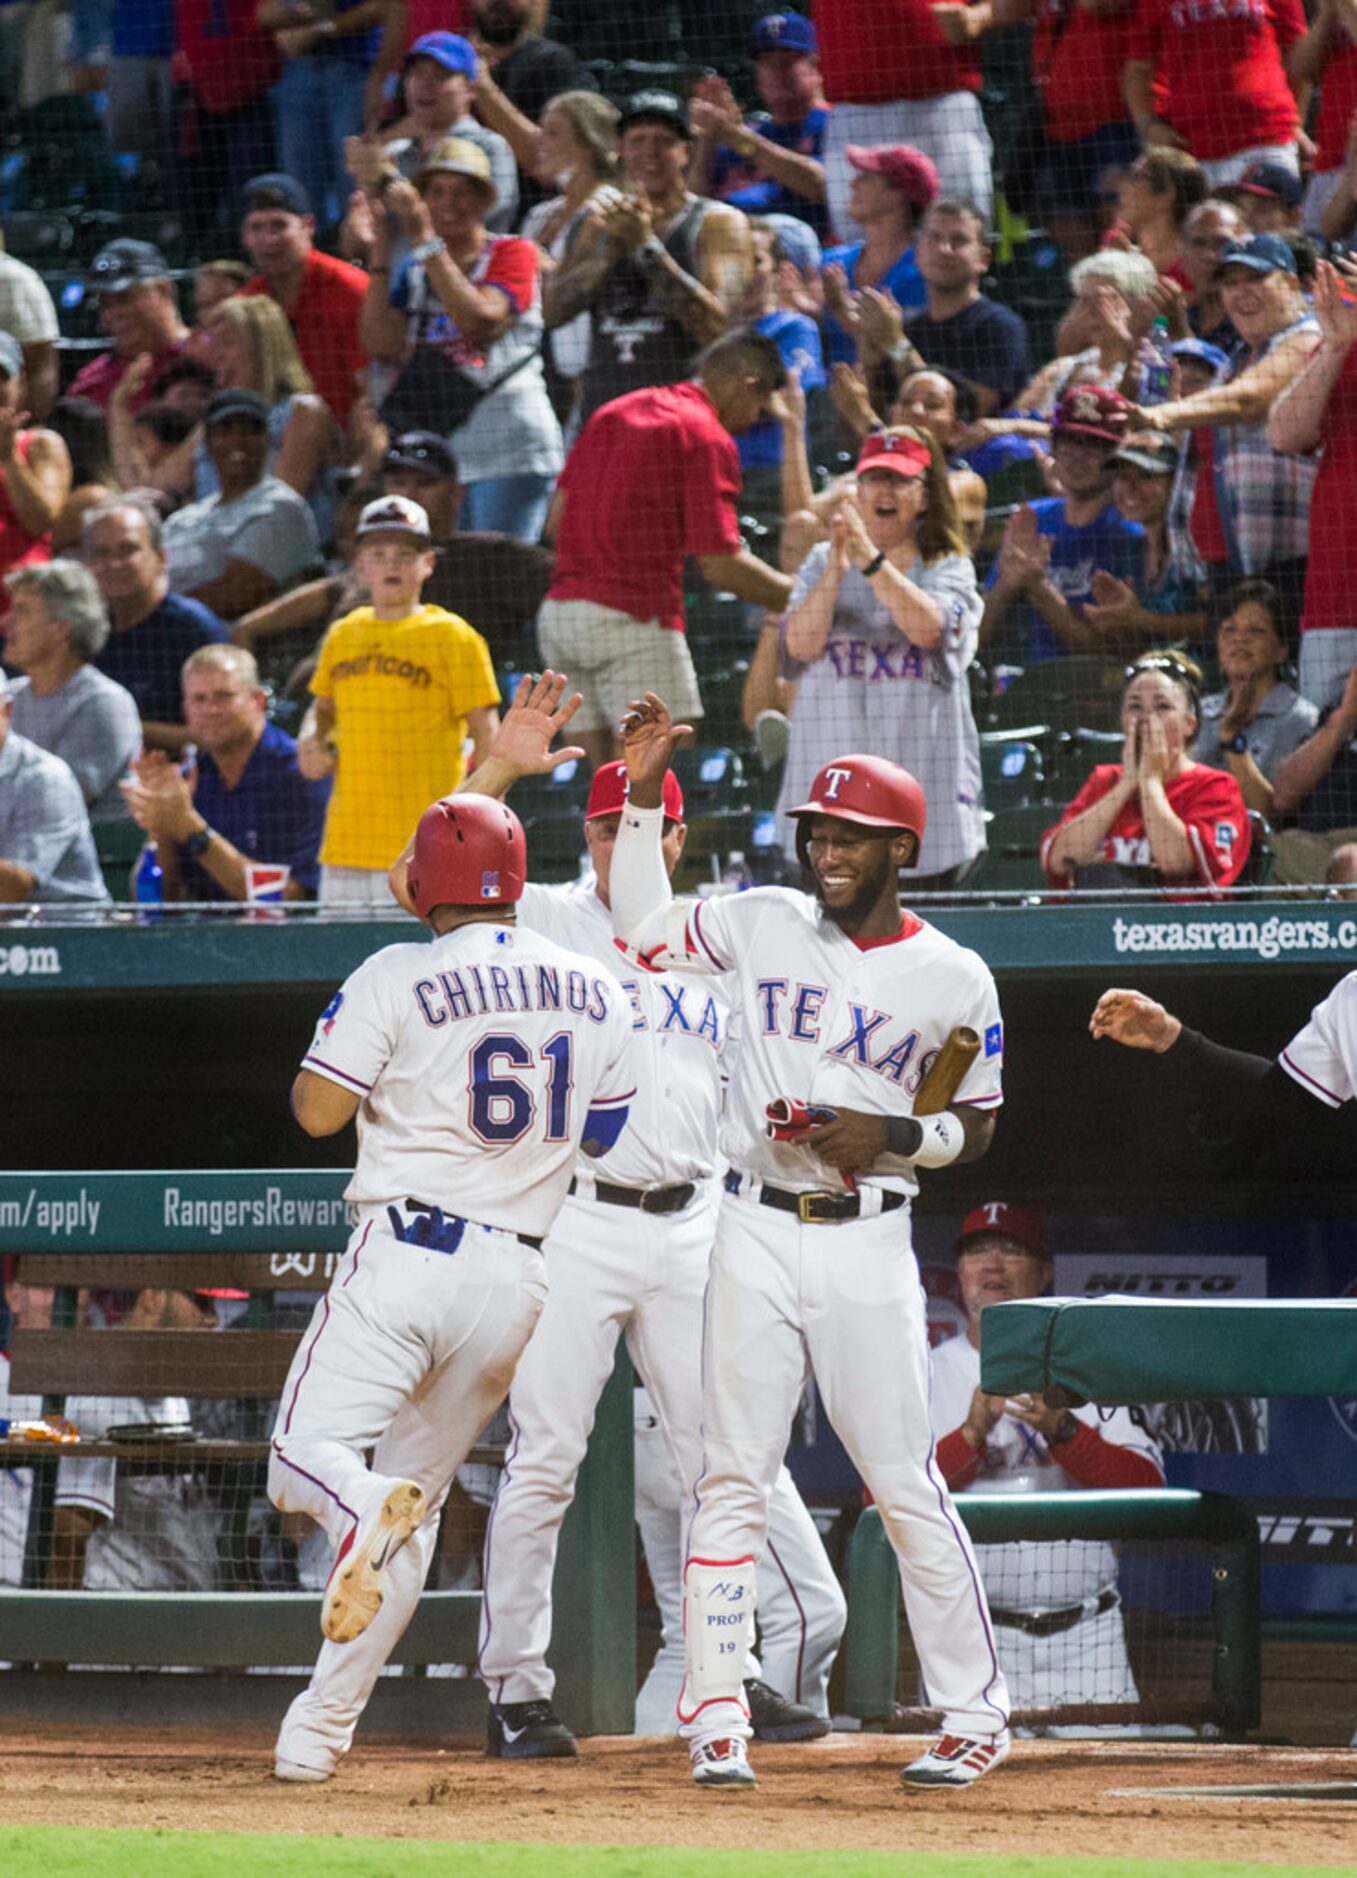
x,y
1052,1799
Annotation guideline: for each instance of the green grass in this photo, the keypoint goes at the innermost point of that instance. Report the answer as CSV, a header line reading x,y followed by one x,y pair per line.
x,y
62,1852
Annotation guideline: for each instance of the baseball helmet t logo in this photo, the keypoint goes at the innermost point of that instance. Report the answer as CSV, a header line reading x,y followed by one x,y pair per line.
x,y
833,777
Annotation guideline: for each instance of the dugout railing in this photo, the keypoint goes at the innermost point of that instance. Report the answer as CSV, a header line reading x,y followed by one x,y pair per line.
x,y
871,1644
259,1229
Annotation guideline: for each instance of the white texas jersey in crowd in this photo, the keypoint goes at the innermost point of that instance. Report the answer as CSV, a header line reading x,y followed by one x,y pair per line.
x,y
1323,1056
825,1019
678,1029
871,689
1029,1576
463,1049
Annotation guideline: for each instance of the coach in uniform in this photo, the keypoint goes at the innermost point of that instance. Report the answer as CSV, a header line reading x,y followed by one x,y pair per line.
x,y
843,999
1054,1605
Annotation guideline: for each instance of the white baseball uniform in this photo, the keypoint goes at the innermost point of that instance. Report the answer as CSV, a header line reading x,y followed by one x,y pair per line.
x,y
615,1269
801,1607
1322,1056
483,1058
829,1020
1054,1605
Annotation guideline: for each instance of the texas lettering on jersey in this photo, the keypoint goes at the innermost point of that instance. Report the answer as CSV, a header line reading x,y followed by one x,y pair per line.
x,y
872,1040
681,1009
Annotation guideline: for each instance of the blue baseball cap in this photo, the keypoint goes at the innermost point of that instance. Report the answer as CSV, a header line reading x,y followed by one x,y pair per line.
x,y
1202,350
798,241
1265,254
449,50
782,32
1273,181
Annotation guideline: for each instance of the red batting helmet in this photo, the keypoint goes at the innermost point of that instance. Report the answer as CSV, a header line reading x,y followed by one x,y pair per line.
x,y
867,790
469,849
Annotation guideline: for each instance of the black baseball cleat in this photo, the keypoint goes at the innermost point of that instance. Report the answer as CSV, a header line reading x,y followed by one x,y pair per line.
x,y
774,1718
527,1731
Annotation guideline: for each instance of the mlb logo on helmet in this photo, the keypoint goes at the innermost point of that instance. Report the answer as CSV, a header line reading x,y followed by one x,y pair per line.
x,y
490,884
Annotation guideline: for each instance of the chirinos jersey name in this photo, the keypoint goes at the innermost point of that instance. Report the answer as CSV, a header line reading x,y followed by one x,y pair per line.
x,y
475,990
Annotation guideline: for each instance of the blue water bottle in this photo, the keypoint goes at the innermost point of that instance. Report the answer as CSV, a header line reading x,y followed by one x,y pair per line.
x,y
148,887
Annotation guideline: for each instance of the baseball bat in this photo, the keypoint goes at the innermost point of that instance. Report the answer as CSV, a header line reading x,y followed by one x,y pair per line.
x,y
946,1071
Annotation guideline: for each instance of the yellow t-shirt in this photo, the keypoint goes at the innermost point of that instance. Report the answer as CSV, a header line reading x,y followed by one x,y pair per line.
x,y
401,690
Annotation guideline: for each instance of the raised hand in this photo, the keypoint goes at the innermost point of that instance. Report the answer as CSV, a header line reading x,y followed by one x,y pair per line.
x,y
1025,553
404,202
539,712
848,389
649,739
1135,1021
881,322
840,299
628,220
1337,315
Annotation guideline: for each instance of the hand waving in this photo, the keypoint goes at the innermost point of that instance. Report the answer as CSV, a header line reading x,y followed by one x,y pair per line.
x,y
539,712
649,739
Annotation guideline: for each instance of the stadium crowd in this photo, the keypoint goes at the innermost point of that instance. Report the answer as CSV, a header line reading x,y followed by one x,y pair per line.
x,y
969,384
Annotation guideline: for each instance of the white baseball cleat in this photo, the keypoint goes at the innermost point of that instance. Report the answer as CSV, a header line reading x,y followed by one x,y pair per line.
x,y
957,1760
298,1771
721,1761
353,1596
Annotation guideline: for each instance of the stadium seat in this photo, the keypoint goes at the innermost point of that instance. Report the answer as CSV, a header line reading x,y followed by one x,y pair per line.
x,y
712,778
116,847
77,308
1013,769
551,809
1258,868
1013,837
1069,693
42,237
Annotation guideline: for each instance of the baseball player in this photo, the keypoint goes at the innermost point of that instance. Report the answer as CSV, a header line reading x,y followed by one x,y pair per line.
x,y
628,1253
1055,1606
475,1067
843,1000
800,1606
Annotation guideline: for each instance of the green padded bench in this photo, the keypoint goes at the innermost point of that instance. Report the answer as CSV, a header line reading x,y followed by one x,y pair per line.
x,y
1125,1350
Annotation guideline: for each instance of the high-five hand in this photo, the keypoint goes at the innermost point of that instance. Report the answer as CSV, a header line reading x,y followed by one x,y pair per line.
x,y
539,712
649,739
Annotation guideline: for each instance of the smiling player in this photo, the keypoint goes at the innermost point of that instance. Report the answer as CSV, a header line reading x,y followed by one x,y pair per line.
x,y
843,999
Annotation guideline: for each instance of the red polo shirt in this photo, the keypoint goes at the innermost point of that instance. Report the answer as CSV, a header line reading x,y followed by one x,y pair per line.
x,y
325,323
653,478
98,380
1222,64
875,51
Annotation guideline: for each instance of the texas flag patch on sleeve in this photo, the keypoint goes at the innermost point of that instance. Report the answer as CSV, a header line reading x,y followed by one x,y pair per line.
x,y
994,1040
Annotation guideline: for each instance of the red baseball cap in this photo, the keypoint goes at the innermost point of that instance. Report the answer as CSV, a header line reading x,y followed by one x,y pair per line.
x,y
1001,1219
908,169
1092,411
904,456
608,793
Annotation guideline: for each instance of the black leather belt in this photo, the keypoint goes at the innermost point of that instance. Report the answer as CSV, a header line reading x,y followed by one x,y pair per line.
x,y
648,1199
815,1208
438,1231
1051,1623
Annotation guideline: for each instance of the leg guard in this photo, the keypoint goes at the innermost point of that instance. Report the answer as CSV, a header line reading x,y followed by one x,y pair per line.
x,y
718,1631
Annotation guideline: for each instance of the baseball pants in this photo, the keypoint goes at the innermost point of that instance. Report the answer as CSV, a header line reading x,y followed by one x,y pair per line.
x,y
844,1303
613,1272
409,1354
801,1606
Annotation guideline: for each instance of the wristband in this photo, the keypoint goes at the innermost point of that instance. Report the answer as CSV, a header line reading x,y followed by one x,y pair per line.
x,y
1065,1430
197,843
875,565
428,249
1237,746
650,253
943,1139
904,1136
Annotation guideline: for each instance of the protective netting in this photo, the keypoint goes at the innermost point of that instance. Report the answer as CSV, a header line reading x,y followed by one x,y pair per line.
x,y
1010,408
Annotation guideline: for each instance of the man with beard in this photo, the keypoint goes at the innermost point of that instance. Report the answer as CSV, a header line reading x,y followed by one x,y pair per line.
x,y
844,1000
521,70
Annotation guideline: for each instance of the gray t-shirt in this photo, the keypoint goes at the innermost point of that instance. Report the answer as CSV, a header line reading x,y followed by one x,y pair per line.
x,y
92,724
270,526
409,156
44,825
1281,724
871,690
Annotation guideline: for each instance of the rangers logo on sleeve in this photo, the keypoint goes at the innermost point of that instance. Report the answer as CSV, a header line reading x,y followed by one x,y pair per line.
x,y
994,1040
331,1012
